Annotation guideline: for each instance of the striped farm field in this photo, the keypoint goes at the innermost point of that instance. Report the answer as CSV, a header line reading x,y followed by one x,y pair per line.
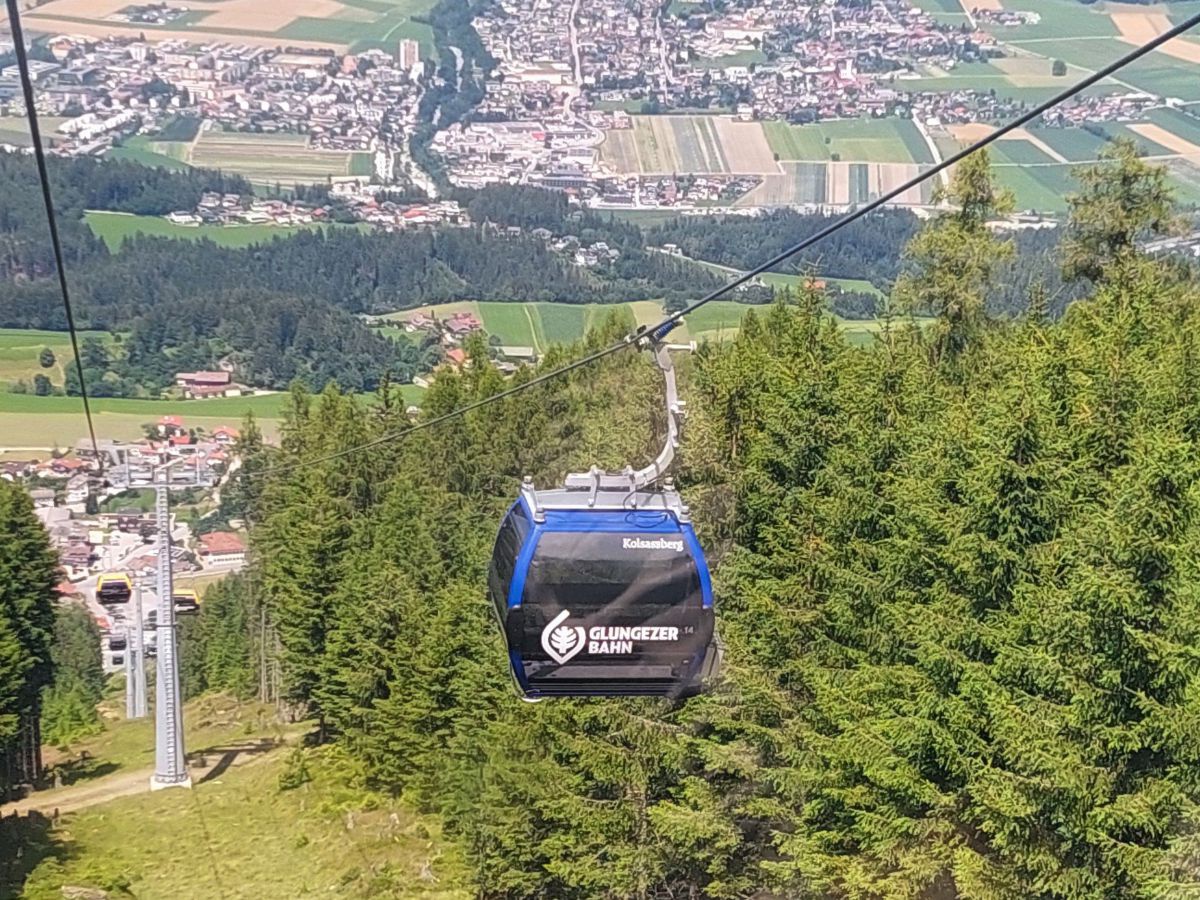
x,y
797,184
838,184
1179,123
268,158
1074,144
665,145
1019,153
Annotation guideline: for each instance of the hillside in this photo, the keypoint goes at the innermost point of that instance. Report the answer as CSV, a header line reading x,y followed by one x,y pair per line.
x,y
237,834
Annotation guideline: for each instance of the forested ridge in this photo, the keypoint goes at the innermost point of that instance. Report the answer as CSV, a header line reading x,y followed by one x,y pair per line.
x,y
189,305
956,574
286,308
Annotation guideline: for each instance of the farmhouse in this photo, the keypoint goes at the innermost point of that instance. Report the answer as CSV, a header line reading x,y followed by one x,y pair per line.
x,y
200,385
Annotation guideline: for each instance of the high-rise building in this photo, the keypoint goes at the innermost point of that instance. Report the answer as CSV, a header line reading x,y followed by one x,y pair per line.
x,y
408,54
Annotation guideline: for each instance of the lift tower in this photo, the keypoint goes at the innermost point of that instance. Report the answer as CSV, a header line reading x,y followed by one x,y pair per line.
x,y
135,660
170,763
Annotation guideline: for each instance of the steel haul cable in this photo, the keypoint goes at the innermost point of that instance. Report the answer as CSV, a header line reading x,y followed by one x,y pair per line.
x,y
35,132
675,318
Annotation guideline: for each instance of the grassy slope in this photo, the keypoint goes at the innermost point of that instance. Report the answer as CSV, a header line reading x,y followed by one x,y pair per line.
x,y
237,834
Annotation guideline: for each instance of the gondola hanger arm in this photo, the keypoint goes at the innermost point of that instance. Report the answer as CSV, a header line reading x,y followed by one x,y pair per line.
x,y
629,479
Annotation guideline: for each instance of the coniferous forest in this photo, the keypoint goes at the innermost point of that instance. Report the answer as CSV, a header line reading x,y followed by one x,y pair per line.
x,y
957,576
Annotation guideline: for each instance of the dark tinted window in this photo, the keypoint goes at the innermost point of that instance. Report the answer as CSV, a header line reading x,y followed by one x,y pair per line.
x,y
611,579
631,576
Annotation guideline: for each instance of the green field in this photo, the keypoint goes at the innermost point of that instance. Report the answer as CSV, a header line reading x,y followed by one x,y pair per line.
x,y
1040,188
354,24
1146,146
151,152
1075,144
1019,153
562,323
114,228
554,322
393,20
1086,37
1180,123
45,422
20,349
1061,20
853,140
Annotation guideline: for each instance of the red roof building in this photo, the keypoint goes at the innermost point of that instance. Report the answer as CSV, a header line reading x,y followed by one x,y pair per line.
x,y
222,547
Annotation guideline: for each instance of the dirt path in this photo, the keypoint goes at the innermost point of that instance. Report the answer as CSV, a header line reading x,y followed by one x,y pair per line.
x,y
126,784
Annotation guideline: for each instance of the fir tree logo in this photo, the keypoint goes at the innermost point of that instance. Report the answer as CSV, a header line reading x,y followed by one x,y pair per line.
x,y
561,641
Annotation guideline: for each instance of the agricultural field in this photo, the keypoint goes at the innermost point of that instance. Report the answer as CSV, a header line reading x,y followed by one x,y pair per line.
x,y
1073,144
341,25
47,422
891,140
1182,125
742,58
268,158
15,130
148,152
113,228
677,144
1019,153
949,12
1090,37
1038,164
1040,188
20,350
837,184
548,323
1061,21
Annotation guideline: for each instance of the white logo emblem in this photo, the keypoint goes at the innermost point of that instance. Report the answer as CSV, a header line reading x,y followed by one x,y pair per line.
x,y
561,641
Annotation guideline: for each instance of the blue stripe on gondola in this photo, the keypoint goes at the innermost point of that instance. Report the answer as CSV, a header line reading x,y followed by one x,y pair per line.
x,y
706,591
516,589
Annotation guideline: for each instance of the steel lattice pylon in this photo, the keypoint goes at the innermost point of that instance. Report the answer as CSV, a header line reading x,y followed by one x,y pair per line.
x,y
135,661
170,763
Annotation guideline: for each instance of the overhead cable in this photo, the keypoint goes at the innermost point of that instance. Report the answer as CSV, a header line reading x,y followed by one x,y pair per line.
x,y
35,133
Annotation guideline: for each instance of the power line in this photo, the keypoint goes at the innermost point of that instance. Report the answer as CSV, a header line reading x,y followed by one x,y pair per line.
x,y
35,132
663,327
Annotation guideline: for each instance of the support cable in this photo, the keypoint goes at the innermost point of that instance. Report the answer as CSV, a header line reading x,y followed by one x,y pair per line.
x,y
39,152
